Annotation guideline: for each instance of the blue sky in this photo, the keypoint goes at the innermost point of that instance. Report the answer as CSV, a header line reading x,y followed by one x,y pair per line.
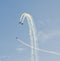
x,y
46,15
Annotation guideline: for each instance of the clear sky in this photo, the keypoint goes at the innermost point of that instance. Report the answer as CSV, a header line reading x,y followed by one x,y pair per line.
x,y
46,15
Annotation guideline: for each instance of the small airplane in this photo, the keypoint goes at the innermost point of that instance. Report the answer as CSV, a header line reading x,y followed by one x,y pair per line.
x,y
16,37
20,23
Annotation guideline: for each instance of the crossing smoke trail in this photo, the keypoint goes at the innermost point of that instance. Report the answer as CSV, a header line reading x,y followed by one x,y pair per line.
x,y
32,33
38,49
33,37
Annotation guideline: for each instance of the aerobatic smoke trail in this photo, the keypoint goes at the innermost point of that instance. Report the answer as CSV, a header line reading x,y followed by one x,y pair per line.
x,y
33,38
32,33
38,49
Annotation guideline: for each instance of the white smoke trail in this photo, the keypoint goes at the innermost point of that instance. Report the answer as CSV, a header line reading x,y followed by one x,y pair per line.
x,y
33,37
32,33
38,49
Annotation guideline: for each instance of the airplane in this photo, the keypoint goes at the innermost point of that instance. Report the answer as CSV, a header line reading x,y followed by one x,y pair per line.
x,y
16,37
20,23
